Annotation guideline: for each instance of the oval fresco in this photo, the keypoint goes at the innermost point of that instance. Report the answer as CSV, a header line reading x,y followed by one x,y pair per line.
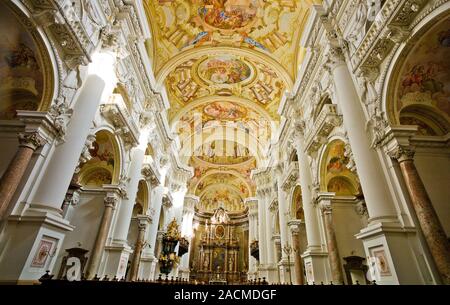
x,y
224,70
225,111
228,14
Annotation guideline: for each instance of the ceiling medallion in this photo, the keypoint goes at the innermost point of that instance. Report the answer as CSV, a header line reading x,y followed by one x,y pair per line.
x,y
225,111
224,70
227,16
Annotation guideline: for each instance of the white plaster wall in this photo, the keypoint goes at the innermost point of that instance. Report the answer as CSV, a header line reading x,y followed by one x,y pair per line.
x,y
435,173
86,217
346,224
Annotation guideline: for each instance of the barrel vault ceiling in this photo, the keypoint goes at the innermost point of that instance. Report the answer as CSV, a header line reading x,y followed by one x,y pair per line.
x,y
225,64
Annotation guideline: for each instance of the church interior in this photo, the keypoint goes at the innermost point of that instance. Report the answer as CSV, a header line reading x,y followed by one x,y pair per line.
x,y
293,142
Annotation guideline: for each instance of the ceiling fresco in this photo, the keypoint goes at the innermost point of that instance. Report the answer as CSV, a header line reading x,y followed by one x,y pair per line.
x,y
225,65
235,175
224,75
271,27
222,189
211,115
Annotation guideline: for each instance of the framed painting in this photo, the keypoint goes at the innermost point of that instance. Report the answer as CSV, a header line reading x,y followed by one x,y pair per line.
x,y
43,251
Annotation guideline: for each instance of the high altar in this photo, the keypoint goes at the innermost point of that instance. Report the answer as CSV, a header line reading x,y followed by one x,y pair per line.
x,y
220,253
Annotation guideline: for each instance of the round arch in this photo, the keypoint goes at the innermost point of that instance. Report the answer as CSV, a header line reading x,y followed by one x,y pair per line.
x,y
206,204
31,62
192,143
405,85
142,196
207,99
219,171
196,52
105,166
296,209
332,168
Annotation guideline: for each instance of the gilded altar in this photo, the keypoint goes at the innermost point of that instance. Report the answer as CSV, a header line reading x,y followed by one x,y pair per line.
x,y
220,251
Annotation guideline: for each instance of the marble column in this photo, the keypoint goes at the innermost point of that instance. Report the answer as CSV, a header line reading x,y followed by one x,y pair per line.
x,y
428,220
143,222
375,186
110,200
324,200
295,225
56,179
28,143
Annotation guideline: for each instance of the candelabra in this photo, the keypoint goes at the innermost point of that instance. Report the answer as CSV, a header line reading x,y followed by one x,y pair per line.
x,y
288,250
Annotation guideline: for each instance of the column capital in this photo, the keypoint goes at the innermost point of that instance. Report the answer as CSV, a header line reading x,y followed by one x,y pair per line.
x,y
273,207
334,57
167,201
294,225
361,208
72,197
189,203
149,174
324,200
32,140
299,131
111,199
110,37
279,168
252,204
402,153
143,221
276,238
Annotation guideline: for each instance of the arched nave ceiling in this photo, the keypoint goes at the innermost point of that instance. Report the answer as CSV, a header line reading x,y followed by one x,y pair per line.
x,y
226,48
225,63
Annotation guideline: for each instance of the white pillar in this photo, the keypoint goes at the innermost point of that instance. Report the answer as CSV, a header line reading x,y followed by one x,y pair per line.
x,y
282,209
134,174
119,251
157,197
311,221
284,264
314,258
272,269
187,232
380,205
384,234
270,247
261,230
252,204
97,87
